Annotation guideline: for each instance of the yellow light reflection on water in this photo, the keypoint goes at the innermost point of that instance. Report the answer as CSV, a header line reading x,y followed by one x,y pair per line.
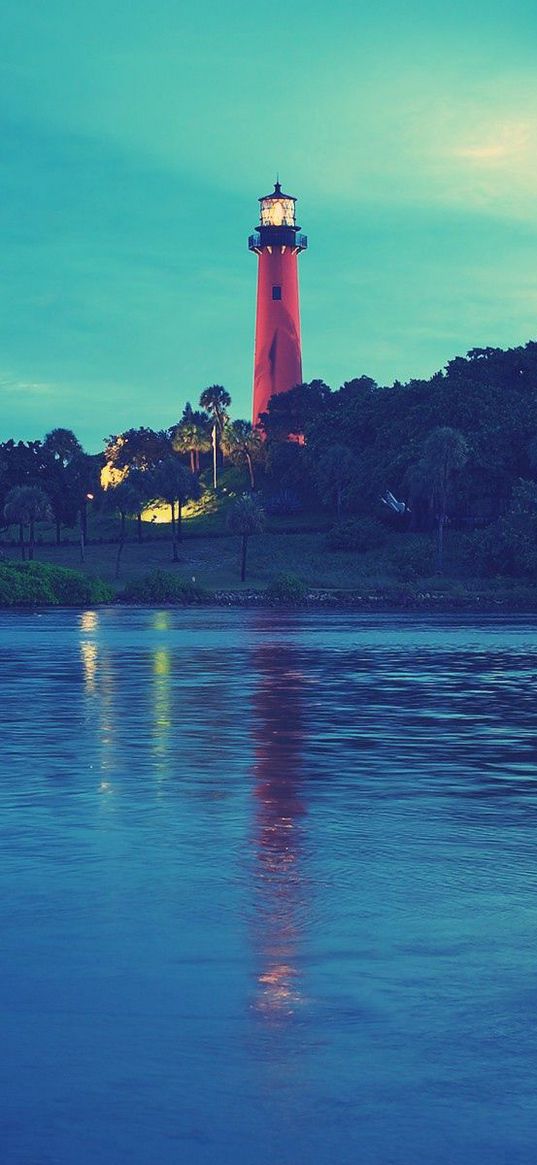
x,y
162,720
89,661
161,662
89,621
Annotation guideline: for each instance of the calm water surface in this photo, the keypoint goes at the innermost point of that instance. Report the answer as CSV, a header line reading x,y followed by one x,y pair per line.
x,y
268,889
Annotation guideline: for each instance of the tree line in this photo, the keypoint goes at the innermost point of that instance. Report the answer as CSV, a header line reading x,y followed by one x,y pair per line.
x,y
54,479
453,448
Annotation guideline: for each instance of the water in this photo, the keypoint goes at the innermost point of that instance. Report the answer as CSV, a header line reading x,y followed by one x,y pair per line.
x,y
267,889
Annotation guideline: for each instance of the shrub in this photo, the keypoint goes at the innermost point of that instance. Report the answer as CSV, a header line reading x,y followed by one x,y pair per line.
x,y
161,586
286,588
413,558
37,583
283,504
358,534
508,547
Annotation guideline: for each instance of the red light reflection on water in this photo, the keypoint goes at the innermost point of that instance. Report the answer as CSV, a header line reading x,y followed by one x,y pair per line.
x,y
277,831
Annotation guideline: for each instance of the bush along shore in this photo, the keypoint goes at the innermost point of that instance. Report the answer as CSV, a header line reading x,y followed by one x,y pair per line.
x,y
37,584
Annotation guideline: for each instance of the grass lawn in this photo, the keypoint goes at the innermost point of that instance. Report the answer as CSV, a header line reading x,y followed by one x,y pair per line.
x,y
214,561
297,545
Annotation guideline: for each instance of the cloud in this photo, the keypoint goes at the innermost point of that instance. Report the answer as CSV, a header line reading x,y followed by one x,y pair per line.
x,y
14,386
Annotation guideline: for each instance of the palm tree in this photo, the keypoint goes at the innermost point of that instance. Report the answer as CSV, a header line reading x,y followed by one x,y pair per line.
x,y
60,447
242,443
245,517
216,401
172,483
444,452
26,505
128,498
192,438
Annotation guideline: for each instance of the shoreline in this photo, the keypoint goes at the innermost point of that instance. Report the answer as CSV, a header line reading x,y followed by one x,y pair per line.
x,y
426,602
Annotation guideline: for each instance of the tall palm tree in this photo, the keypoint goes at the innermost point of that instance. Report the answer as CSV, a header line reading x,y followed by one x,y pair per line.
x,y
216,401
243,444
172,483
26,505
245,517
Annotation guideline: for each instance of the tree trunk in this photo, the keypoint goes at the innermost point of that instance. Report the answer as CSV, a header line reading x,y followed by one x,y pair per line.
x,y
31,542
243,556
84,517
192,461
82,538
175,556
139,522
440,544
21,542
197,460
179,520
58,532
214,457
121,543
250,470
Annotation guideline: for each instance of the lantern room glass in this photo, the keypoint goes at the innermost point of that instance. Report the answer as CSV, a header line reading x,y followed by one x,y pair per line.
x,y
277,212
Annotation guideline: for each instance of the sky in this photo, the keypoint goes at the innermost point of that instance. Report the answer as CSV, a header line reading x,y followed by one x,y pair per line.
x,y
136,139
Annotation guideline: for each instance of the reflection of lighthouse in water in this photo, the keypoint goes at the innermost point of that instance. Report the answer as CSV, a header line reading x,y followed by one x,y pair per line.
x,y
278,738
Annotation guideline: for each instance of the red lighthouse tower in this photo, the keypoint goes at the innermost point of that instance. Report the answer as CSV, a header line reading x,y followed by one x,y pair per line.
x,y
278,356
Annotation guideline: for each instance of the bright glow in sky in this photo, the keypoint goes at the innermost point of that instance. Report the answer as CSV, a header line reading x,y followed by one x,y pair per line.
x,y
137,139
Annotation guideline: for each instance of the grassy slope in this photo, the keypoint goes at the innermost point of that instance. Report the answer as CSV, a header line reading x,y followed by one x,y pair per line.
x,y
211,556
214,561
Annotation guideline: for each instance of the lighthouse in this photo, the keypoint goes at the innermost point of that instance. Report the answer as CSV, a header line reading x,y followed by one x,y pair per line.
x,y
277,242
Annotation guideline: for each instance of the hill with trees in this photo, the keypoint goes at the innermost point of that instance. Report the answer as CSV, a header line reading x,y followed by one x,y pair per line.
x,y
440,474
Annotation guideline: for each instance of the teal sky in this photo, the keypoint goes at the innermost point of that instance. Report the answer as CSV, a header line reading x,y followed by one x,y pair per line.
x,y
137,137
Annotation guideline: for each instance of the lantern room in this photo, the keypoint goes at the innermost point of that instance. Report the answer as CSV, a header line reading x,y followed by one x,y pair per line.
x,y
277,209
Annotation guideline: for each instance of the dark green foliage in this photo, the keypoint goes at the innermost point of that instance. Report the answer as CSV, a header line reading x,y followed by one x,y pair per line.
x,y
245,517
289,470
490,397
26,505
137,449
20,586
37,583
216,400
171,482
357,534
508,546
413,557
283,503
243,445
161,586
288,589
291,413
335,472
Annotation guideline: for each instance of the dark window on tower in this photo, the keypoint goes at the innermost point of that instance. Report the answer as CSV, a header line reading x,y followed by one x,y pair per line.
x,y
277,292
